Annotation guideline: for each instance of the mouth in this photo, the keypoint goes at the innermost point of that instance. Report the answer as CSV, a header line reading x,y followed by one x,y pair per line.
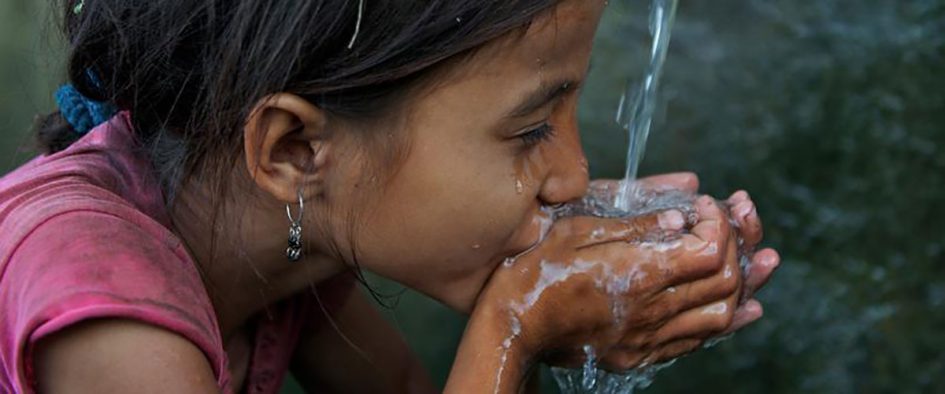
x,y
533,233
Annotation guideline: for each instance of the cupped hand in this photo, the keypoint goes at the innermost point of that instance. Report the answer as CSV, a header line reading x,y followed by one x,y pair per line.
x,y
748,224
606,284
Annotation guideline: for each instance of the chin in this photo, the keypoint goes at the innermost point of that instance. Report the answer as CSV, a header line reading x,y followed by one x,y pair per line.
x,y
531,233
462,295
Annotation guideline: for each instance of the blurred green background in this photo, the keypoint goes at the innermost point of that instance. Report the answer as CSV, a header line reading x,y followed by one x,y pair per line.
x,y
831,113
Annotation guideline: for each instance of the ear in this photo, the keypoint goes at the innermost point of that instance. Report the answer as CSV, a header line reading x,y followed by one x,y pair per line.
x,y
286,146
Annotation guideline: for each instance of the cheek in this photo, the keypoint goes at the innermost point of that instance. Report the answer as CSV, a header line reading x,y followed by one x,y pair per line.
x,y
446,220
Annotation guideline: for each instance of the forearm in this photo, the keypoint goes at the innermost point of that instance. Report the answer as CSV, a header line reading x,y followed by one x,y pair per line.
x,y
490,357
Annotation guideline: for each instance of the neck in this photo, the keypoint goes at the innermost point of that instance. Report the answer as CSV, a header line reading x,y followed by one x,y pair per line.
x,y
242,255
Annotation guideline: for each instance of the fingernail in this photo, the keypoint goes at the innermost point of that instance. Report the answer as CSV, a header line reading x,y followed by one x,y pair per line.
x,y
671,220
770,260
738,197
754,307
744,209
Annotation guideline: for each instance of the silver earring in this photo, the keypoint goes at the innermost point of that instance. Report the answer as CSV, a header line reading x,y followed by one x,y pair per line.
x,y
294,251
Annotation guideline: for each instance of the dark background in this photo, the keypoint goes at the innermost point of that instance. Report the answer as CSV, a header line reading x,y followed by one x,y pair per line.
x,y
829,112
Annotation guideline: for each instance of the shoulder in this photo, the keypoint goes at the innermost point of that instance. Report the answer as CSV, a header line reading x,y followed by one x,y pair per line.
x,y
88,266
121,356
106,252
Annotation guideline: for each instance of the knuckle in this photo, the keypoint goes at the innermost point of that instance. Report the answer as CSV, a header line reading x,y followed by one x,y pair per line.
x,y
707,257
720,322
638,342
724,320
730,282
621,361
711,255
684,347
712,233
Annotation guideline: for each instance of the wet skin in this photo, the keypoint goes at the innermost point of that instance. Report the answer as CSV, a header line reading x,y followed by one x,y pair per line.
x,y
436,195
465,168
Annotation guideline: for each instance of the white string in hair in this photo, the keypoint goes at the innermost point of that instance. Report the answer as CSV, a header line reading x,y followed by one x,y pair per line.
x,y
357,27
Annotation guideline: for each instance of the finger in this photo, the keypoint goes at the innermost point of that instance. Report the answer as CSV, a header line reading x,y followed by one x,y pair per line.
x,y
682,181
593,231
621,360
738,197
703,296
722,285
705,321
763,264
749,224
713,225
746,314
679,262
675,349
705,252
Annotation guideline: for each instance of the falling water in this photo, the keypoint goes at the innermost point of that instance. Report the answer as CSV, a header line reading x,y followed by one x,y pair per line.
x,y
635,112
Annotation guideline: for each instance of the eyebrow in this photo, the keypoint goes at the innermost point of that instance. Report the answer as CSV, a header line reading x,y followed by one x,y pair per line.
x,y
542,96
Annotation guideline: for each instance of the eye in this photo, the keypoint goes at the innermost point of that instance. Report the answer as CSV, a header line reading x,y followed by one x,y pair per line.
x,y
537,135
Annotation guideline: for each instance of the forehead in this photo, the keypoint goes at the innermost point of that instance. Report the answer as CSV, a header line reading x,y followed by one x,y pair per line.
x,y
558,36
556,45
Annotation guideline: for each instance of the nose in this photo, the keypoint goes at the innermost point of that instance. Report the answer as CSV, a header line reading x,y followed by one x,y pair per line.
x,y
567,178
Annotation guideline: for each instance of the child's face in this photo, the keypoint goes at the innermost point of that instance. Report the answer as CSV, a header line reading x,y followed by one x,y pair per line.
x,y
479,166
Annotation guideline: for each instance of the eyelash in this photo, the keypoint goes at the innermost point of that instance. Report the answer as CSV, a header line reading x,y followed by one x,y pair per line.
x,y
538,135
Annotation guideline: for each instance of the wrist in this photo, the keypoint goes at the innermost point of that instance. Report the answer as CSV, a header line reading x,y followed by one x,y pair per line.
x,y
492,353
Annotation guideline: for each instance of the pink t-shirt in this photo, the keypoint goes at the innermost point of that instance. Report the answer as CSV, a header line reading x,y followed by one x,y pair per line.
x,y
84,234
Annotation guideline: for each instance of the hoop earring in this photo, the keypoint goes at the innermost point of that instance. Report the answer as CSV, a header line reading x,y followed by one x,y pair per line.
x,y
294,251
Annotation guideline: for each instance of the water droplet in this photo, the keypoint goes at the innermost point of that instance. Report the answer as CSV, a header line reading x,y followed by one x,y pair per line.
x,y
589,372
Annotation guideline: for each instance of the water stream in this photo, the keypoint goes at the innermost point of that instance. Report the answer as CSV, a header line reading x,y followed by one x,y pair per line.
x,y
637,104
634,115
623,199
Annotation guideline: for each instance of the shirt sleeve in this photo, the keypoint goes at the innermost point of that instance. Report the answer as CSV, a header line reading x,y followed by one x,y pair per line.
x,y
86,265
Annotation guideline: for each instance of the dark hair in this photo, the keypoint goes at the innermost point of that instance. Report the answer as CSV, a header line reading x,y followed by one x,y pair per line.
x,y
189,72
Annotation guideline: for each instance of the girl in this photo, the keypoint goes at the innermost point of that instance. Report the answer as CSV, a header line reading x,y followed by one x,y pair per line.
x,y
423,141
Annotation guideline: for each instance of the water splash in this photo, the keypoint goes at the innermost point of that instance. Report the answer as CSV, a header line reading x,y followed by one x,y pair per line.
x,y
590,379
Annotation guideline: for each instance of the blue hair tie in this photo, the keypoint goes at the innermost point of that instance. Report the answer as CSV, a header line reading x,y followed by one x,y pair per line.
x,y
82,113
